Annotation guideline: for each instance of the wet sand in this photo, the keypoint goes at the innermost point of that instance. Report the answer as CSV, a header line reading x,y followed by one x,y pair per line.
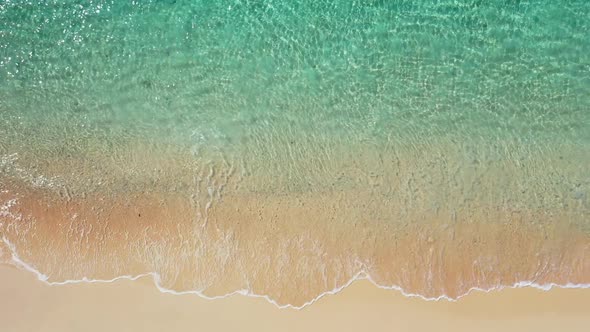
x,y
282,246
432,224
27,304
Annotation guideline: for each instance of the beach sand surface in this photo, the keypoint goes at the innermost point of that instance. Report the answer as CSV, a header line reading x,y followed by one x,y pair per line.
x,y
27,304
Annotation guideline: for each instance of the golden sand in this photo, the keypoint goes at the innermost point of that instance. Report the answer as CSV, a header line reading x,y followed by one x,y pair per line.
x,y
29,305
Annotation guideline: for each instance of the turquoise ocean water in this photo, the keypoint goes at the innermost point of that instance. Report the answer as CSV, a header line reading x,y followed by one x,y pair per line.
x,y
434,105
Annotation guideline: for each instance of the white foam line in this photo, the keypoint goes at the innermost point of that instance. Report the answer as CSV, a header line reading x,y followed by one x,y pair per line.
x,y
519,284
362,275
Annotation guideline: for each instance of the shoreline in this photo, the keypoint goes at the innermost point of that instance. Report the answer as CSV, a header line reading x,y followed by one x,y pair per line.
x,y
132,305
362,276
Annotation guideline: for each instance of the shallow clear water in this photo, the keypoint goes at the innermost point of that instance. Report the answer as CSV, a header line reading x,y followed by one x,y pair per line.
x,y
393,112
